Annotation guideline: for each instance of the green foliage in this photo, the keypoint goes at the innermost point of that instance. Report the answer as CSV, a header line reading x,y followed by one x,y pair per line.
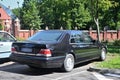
x,y
20,39
29,15
1,27
116,43
112,62
16,11
66,13
69,14
114,47
98,10
111,16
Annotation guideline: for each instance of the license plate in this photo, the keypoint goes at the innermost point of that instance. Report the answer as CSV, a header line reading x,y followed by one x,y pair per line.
x,y
26,50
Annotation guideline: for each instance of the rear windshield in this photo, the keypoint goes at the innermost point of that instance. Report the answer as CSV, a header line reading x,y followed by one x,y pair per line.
x,y
46,36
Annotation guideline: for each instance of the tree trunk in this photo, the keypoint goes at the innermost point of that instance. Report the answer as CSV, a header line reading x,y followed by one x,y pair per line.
x,y
98,29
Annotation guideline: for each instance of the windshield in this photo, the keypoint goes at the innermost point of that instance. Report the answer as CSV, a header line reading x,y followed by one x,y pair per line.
x,y
46,36
5,37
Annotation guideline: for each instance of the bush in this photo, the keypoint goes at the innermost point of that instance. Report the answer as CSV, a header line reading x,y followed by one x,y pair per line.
x,y
114,47
1,27
116,43
20,39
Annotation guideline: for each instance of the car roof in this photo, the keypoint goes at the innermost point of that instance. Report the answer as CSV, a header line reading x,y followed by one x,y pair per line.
x,y
65,31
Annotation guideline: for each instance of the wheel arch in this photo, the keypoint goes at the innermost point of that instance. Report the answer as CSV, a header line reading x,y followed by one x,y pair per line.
x,y
105,47
72,54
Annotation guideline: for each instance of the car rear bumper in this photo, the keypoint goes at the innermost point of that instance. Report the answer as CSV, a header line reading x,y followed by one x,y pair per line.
x,y
37,61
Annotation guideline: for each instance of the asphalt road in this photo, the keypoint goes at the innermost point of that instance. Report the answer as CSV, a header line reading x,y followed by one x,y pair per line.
x,y
15,71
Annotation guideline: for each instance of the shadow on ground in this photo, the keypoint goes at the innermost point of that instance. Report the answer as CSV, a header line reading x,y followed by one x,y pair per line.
x,y
25,70
4,60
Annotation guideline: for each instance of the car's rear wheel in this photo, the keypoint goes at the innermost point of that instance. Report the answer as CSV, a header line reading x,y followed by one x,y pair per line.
x,y
68,64
103,54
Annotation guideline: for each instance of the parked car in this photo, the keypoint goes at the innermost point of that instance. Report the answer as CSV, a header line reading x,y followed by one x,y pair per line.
x,y
57,49
6,41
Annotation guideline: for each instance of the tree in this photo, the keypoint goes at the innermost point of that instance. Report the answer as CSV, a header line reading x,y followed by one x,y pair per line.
x,y
30,15
16,11
115,17
79,14
66,13
70,14
96,8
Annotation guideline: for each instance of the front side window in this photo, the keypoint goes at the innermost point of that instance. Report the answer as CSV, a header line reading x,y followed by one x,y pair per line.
x,y
81,38
86,38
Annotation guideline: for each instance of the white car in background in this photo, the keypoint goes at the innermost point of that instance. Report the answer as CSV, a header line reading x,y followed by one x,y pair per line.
x,y
6,41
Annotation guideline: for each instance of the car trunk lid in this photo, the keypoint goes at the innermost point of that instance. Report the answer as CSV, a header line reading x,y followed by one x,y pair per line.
x,y
29,48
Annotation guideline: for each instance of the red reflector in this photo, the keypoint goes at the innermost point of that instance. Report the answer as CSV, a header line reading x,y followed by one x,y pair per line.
x,y
13,49
45,52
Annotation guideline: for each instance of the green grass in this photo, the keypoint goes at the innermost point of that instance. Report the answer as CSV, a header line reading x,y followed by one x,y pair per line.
x,y
113,57
112,62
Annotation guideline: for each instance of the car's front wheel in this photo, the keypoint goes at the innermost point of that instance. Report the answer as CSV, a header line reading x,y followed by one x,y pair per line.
x,y
68,64
103,54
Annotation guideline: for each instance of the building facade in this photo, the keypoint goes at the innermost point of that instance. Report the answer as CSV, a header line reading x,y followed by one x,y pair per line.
x,y
6,18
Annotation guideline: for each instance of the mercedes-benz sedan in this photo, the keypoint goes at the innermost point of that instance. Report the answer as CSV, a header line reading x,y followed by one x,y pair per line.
x,y
57,49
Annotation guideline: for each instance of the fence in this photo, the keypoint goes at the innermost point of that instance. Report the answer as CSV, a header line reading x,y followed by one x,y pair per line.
x,y
105,35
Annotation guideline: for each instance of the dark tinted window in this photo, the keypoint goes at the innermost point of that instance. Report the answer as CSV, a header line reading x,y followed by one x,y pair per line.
x,y
80,38
75,38
46,36
86,38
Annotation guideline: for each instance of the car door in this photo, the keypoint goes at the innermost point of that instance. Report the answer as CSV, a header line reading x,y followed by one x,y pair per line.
x,y
6,41
79,47
83,47
93,48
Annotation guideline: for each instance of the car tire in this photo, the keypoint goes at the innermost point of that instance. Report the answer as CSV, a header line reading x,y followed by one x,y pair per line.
x,y
68,64
102,54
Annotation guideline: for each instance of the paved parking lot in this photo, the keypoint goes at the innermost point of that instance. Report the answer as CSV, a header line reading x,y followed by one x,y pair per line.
x,y
15,71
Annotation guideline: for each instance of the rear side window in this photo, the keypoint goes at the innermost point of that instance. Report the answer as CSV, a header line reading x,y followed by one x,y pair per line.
x,y
76,38
46,36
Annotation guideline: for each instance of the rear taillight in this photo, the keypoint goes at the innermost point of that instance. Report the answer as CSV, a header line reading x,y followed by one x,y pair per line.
x,y
13,49
45,52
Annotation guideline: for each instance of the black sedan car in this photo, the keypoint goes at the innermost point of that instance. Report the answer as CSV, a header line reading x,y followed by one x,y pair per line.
x,y
57,49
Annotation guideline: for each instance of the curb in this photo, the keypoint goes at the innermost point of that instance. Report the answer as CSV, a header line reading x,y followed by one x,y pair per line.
x,y
104,70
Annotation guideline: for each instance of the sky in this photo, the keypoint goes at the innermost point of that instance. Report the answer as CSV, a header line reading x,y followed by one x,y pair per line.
x,y
12,3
